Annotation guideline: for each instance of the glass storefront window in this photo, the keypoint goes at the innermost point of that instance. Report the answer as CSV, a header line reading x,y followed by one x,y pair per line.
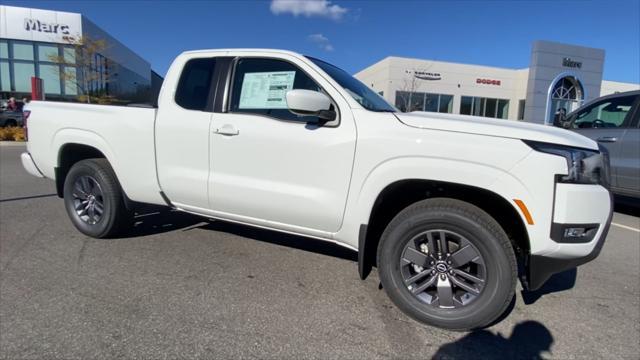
x,y
69,54
478,106
490,109
446,104
424,102
5,80
50,75
466,104
22,51
22,76
503,109
48,53
431,103
70,87
417,101
4,50
486,107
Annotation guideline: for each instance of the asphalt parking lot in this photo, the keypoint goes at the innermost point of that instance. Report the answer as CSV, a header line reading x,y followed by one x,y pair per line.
x,y
181,286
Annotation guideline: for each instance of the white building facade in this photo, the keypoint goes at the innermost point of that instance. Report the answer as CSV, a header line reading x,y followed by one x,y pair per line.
x,y
31,41
559,76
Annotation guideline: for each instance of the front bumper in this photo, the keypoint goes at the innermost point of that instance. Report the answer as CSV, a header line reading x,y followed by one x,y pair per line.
x,y
574,206
30,165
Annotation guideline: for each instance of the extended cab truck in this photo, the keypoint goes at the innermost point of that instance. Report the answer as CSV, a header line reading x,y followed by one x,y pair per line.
x,y
445,206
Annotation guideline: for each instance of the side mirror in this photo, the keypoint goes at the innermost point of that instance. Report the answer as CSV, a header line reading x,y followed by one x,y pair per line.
x,y
310,103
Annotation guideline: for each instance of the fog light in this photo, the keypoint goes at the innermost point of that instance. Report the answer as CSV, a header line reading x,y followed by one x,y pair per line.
x,y
575,232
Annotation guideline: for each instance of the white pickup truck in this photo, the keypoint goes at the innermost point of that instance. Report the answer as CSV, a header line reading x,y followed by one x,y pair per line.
x,y
448,207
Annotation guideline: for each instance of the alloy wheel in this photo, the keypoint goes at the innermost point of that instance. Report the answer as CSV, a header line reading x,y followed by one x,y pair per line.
x,y
443,269
88,199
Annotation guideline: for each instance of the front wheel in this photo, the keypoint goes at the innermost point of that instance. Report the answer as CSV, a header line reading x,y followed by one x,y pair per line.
x,y
94,200
447,263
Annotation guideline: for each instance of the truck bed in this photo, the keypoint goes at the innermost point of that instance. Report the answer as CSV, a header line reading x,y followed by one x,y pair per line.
x,y
124,134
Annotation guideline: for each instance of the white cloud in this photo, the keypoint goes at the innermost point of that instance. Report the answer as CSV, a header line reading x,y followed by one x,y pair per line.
x,y
308,8
322,41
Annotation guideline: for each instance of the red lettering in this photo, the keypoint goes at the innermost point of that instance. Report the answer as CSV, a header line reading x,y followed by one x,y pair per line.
x,y
488,81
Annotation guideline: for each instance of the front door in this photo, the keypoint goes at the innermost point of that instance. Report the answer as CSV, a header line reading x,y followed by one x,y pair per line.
x,y
271,167
629,163
606,121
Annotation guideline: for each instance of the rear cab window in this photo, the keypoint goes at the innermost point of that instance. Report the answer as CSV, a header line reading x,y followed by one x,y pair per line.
x,y
194,86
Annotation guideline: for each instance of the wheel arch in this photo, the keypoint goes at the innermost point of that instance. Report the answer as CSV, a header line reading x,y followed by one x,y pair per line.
x,y
68,155
401,193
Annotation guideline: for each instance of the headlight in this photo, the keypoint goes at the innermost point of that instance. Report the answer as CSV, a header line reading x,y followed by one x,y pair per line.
x,y
584,166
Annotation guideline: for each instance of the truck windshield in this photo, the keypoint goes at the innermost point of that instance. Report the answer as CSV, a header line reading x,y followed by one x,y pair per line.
x,y
359,91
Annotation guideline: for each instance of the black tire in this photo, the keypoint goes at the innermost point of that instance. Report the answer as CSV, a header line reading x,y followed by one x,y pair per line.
x,y
114,217
478,229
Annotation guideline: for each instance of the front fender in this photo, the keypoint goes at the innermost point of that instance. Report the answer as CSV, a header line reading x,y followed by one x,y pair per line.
x,y
498,181
493,179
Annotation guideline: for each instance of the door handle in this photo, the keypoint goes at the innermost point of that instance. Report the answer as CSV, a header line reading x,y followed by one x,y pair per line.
x,y
227,130
607,139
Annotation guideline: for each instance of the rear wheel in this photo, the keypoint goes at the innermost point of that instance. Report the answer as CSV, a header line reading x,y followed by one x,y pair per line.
x,y
447,263
94,200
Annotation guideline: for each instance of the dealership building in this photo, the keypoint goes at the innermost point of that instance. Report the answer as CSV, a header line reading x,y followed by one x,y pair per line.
x,y
35,42
558,76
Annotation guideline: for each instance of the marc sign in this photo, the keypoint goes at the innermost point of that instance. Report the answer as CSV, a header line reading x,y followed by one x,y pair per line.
x,y
37,25
488,82
567,62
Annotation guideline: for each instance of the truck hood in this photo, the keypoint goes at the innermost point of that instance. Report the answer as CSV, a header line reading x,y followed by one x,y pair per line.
x,y
494,127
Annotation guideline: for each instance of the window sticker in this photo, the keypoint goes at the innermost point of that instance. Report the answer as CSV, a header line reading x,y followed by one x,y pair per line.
x,y
266,90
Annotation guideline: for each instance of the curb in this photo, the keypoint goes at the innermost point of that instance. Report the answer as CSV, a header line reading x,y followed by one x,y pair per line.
x,y
13,143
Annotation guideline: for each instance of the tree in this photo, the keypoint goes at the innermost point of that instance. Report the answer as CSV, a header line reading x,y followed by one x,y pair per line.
x,y
409,86
411,83
85,67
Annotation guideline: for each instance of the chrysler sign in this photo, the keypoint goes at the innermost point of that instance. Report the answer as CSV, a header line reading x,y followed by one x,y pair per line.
x,y
423,75
39,25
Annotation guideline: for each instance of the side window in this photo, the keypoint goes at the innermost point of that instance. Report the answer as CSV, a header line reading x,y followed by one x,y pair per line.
x,y
260,87
194,84
609,113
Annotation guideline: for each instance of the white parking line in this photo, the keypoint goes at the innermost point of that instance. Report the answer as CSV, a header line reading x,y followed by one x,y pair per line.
x,y
626,227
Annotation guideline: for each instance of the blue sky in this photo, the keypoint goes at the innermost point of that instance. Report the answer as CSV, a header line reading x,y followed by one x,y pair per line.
x,y
355,34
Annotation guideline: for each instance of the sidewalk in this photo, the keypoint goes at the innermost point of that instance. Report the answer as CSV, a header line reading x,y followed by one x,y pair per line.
x,y
13,143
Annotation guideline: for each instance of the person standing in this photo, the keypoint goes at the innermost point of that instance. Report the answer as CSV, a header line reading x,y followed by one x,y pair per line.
x,y
12,105
24,102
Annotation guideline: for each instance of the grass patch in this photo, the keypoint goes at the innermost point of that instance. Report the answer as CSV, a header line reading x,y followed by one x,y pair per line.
x,y
12,134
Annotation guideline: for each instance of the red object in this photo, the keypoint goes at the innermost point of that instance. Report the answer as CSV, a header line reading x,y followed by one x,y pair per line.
x,y
37,88
488,81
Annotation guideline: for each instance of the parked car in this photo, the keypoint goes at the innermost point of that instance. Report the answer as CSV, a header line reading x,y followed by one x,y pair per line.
x,y
445,206
10,118
614,122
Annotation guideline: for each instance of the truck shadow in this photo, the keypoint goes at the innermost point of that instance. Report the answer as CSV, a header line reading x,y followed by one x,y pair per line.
x,y
283,239
151,220
528,340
